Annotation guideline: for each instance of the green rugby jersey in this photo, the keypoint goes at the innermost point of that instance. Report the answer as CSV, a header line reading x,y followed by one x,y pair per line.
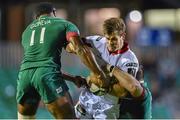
x,y
43,41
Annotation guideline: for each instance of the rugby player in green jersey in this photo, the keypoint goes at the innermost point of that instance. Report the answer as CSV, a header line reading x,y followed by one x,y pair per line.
x,y
40,76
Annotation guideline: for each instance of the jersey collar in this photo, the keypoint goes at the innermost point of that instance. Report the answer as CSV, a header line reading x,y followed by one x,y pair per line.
x,y
122,50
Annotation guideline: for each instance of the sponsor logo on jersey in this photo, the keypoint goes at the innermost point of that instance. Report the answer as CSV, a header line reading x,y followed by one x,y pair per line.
x,y
99,38
131,65
59,90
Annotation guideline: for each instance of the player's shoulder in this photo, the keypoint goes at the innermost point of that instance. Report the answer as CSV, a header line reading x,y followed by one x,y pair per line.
x,y
129,53
129,56
95,38
61,20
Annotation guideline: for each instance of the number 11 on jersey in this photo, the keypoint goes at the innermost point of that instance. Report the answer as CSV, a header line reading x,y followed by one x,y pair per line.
x,y
41,36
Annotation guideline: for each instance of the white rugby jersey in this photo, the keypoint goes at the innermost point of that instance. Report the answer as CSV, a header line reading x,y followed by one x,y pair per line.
x,y
105,107
124,59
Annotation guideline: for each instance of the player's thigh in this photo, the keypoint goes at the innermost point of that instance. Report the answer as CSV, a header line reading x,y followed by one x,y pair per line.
x,y
125,107
139,109
80,112
144,107
49,83
112,106
27,97
29,103
83,108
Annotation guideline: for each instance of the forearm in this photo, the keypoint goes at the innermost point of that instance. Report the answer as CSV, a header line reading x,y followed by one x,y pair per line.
x,y
88,59
68,77
85,54
128,82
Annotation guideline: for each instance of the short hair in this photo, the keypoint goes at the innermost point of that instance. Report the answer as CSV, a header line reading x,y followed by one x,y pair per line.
x,y
44,8
114,24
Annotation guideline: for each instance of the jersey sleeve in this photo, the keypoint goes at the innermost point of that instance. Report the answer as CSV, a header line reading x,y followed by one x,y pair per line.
x,y
130,66
92,41
95,45
71,30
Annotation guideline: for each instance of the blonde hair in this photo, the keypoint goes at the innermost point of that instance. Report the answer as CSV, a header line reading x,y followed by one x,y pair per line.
x,y
114,24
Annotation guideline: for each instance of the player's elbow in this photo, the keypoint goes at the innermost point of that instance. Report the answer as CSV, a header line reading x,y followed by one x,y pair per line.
x,y
136,89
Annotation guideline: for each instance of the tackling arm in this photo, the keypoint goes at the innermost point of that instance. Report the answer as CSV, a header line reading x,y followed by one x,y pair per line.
x,y
127,81
87,57
77,80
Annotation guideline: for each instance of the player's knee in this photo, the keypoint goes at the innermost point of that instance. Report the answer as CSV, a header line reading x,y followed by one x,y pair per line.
x,y
23,117
61,108
54,110
27,109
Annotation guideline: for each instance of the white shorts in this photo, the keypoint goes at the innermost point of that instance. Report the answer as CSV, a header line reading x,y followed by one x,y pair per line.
x,y
91,106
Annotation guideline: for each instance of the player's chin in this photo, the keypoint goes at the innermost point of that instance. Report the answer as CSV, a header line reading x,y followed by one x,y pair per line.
x,y
113,49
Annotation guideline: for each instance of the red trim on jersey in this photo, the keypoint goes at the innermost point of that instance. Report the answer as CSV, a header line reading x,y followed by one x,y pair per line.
x,y
122,50
71,34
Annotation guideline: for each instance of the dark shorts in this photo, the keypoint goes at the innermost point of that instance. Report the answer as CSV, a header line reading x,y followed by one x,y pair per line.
x,y
138,109
41,82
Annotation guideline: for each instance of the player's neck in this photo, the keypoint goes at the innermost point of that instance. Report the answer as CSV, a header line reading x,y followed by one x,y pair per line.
x,y
124,48
44,15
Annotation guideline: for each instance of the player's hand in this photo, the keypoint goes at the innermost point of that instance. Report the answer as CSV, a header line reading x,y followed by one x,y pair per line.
x,y
80,81
98,80
96,84
92,78
104,80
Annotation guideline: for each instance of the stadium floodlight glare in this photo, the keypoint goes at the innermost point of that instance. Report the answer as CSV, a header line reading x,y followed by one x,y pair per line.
x,y
135,16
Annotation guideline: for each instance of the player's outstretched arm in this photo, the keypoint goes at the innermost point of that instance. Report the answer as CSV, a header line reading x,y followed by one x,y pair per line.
x,y
77,80
127,81
85,54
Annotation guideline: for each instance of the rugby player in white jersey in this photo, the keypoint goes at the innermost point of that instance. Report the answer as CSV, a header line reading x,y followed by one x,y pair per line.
x,y
97,102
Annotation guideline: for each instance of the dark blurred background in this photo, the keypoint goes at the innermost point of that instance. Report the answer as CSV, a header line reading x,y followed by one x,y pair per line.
x,y
153,32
